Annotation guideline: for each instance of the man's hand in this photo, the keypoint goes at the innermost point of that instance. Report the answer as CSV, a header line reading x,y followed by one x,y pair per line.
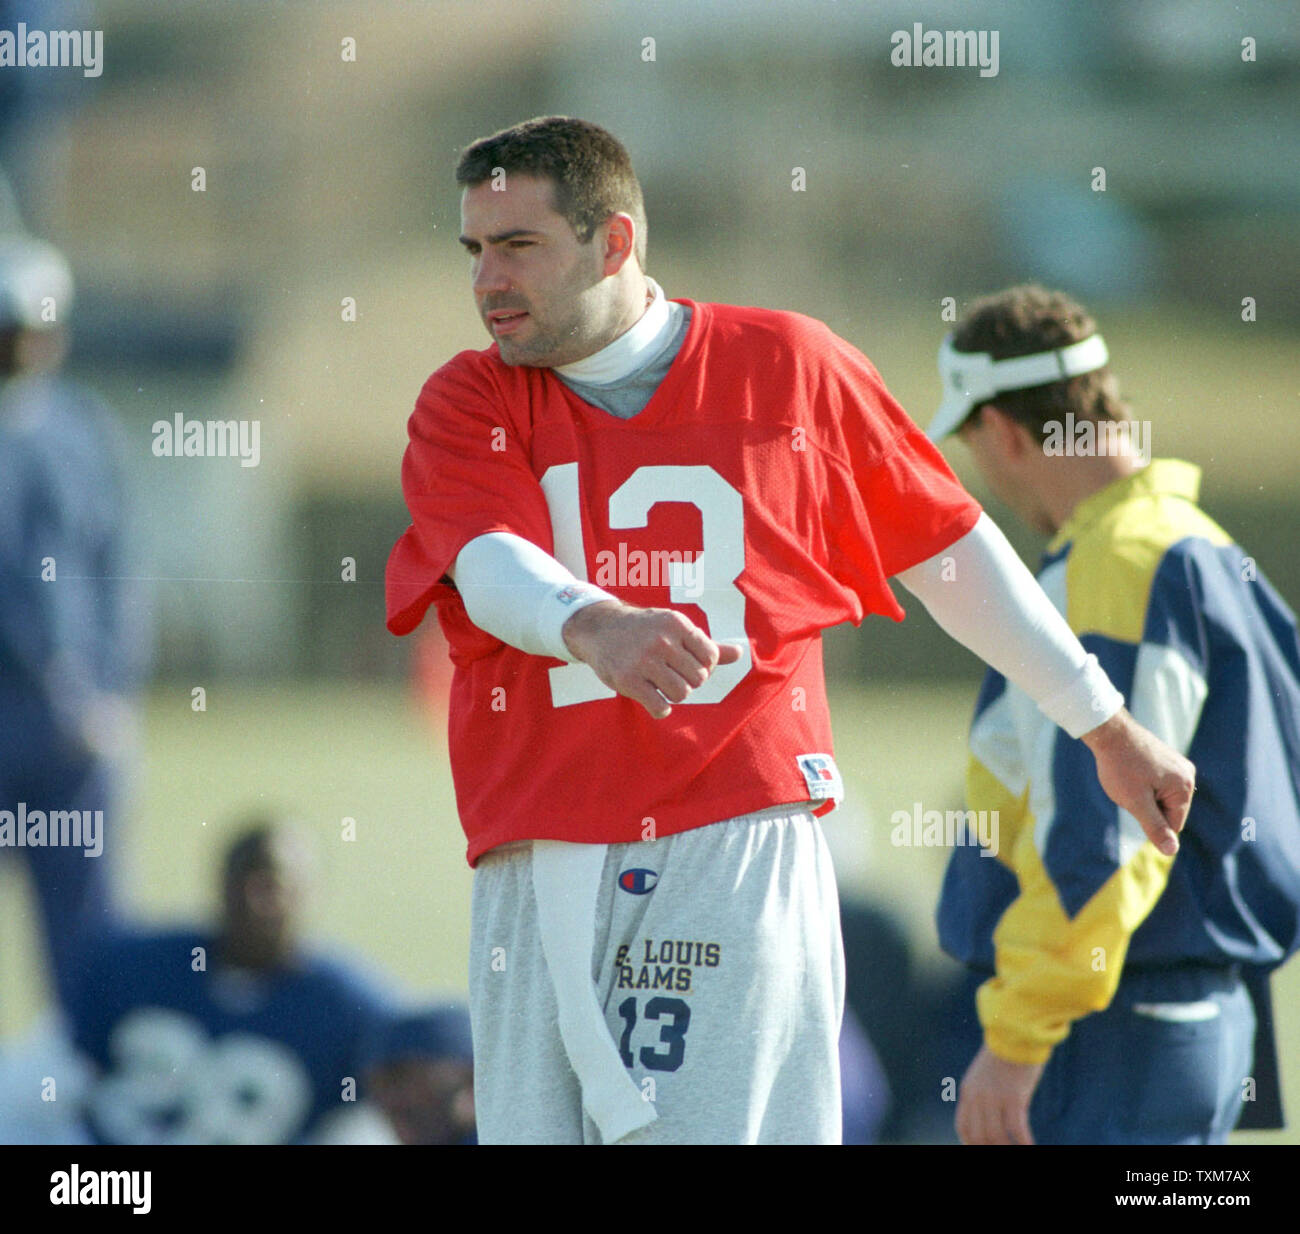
x,y
654,656
1142,775
993,1101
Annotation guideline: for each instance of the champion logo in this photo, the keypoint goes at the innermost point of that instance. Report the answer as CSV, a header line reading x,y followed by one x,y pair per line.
x,y
638,882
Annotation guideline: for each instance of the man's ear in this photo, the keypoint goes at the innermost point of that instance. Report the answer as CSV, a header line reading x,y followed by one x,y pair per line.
x,y
620,239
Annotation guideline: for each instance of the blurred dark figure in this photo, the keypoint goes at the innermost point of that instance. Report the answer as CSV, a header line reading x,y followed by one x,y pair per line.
x,y
72,633
235,1036
864,1088
422,1077
907,1018
36,111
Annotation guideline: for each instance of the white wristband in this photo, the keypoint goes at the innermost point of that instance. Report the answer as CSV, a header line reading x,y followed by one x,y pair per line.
x,y
1091,700
557,607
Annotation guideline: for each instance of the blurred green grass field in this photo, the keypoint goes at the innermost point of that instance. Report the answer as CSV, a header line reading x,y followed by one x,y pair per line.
x,y
398,894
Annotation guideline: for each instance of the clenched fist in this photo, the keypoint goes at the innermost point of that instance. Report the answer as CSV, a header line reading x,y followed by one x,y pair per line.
x,y
654,656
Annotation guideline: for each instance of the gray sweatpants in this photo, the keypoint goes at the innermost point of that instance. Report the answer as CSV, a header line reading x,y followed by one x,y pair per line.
x,y
717,988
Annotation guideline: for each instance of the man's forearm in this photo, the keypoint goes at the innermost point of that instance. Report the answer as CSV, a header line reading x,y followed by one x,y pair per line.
x,y
982,595
520,594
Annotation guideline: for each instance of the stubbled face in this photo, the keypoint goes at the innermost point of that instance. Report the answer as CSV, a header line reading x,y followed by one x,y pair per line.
x,y
542,294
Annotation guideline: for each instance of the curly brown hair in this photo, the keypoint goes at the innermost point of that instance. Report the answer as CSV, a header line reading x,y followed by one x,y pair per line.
x,y
1027,319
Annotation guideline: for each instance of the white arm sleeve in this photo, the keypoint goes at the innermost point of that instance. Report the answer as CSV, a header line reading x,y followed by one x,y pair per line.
x,y
520,594
991,604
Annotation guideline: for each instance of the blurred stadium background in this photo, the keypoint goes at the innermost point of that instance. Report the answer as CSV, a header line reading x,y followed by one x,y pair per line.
x,y
328,179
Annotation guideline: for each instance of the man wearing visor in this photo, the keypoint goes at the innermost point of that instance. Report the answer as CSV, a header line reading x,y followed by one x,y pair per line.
x,y
1116,990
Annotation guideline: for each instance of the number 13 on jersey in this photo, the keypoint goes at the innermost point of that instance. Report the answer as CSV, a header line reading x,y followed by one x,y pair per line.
x,y
713,574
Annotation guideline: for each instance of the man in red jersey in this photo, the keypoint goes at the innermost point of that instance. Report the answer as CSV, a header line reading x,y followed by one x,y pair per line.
x,y
634,517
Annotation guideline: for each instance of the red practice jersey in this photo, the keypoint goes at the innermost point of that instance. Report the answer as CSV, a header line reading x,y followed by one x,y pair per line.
x,y
767,491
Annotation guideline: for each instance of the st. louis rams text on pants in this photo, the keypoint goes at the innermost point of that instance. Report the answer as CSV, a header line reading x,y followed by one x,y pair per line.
x,y
664,965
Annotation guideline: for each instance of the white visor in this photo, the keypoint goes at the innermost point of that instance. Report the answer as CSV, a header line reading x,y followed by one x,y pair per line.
x,y
973,377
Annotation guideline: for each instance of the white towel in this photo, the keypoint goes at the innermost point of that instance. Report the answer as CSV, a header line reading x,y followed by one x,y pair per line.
x,y
566,882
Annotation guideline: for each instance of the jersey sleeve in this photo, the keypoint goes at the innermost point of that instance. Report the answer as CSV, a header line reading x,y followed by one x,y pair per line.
x,y
900,502
465,473
1087,876
919,507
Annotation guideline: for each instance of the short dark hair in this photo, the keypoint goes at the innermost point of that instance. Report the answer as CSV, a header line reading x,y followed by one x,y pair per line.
x,y
589,167
1026,319
253,848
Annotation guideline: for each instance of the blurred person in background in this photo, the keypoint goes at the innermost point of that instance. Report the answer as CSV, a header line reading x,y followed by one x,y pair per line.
x,y
36,112
73,636
422,1076
1119,990
238,1035
864,1088
881,1053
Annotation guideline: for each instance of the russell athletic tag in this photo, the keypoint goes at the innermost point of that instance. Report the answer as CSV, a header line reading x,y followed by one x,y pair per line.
x,y
822,777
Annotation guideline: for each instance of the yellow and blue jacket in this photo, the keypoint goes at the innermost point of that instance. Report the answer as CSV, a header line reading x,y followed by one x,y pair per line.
x,y
1207,655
